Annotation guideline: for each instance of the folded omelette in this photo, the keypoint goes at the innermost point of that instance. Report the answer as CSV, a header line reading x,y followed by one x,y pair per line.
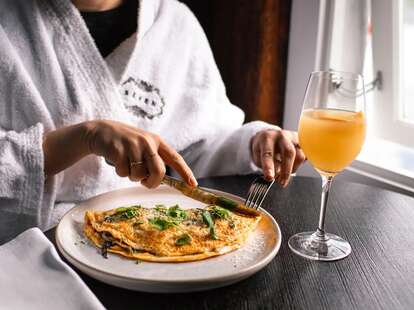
x,y
169,234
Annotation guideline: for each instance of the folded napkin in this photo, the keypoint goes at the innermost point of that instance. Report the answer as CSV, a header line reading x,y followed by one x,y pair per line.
x,y
32,276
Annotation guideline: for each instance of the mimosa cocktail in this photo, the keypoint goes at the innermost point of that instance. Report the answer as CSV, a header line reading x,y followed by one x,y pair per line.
x,y
331,134
331,139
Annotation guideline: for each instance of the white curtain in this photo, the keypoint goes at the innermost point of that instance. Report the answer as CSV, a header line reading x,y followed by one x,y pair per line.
x,y
342,35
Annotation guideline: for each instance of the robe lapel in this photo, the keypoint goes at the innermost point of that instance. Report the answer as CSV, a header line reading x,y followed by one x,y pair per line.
x,y
119,61
81,52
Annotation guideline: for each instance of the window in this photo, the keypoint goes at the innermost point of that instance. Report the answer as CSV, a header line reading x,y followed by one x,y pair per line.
x,y
388,154
407,61
392,107
387,159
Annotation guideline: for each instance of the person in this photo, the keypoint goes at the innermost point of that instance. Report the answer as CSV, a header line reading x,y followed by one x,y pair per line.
x,y
133,83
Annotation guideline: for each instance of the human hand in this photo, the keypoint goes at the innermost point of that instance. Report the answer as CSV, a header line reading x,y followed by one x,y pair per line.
x,y
135,153
278,153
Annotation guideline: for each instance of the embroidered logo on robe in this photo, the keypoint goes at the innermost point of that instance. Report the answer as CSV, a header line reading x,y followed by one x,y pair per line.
x,y
142,98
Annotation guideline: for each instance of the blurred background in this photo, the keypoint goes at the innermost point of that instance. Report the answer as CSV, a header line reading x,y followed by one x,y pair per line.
x,y
266,49
250,43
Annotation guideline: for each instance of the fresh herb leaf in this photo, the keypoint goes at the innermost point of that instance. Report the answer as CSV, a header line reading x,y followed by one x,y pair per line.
x,y
183,240
219,212
162,224
208,220
161,209
130,213
123,213
121,209
177,213
226,203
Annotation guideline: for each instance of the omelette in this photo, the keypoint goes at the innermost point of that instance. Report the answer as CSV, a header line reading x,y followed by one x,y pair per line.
x,y
169,234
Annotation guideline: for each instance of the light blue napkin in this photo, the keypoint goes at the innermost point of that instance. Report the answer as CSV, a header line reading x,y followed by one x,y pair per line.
x,y
32,276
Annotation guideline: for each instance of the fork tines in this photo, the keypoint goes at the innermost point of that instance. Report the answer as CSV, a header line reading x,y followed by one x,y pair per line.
x,y
257,192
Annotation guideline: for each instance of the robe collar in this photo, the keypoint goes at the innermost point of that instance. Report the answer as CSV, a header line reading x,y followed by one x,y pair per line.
x,y
98,72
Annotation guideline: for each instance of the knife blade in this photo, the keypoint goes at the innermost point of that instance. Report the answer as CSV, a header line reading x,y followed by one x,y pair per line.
x,y
207,197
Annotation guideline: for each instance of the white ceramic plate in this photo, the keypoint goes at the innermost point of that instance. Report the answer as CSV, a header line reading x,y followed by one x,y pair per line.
x,y
260,249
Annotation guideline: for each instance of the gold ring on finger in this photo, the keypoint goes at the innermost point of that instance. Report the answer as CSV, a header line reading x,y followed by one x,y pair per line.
x,y
136,163
268,154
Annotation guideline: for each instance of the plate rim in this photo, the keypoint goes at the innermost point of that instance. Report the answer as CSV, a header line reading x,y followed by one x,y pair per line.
x,y
246,271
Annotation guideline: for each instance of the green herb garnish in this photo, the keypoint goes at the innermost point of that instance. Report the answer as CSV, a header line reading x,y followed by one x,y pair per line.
x,y
177,213
123,209
129,214
123,213
161,209
162,224
183,240
226,203
219,212
208,220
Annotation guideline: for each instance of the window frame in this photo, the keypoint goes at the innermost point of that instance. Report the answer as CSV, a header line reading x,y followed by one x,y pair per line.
x,y
387,121
305,20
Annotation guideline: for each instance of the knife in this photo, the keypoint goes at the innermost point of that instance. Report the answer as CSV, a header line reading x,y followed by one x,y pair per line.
x,y
207,197
202,195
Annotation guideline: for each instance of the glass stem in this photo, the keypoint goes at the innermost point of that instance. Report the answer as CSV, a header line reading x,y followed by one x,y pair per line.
x,y
326,185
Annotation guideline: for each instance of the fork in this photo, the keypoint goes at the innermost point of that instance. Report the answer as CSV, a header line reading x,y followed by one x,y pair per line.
x,y
257,192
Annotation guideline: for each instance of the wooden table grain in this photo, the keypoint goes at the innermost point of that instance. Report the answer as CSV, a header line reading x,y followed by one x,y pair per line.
x,y
379,273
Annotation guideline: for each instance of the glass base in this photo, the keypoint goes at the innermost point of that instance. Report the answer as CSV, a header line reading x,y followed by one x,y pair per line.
x,y
319,246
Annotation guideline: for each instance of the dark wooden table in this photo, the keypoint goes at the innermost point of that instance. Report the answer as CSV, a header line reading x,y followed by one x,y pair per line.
x,y
379,273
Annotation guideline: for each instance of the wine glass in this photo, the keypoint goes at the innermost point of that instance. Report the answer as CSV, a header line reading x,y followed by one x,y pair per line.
x,y
331,134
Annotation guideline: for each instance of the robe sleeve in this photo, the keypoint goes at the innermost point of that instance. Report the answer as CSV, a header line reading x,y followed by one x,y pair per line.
x,y
22,181
226,149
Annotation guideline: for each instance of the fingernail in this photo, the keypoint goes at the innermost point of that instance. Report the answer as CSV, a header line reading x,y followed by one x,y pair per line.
x,y
270,173
193,182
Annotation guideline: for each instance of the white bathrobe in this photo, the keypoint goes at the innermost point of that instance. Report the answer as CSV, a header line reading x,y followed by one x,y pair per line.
x,y
162,79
